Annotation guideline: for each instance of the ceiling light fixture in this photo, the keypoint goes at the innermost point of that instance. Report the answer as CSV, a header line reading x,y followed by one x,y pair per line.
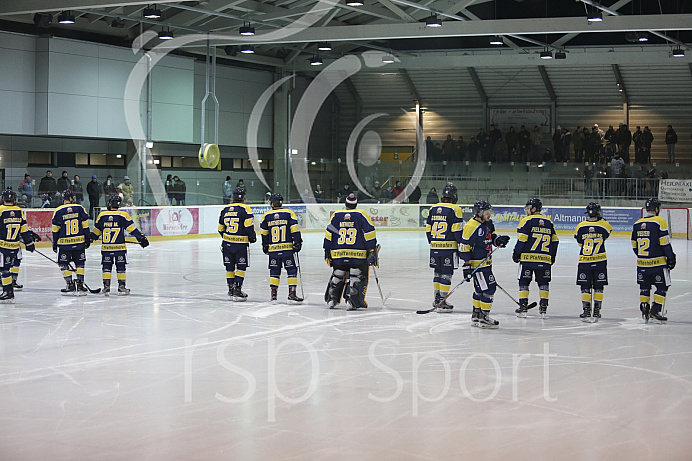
x,y
66,17
388,59
247,49
231,50
316,60
247,29
433,21
560,55
166,35
595,16
546,54
43,19
354,3
497,40
118,23
678,52
152,13
324,46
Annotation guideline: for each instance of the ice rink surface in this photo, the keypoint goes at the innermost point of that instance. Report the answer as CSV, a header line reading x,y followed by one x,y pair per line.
x,y
176,371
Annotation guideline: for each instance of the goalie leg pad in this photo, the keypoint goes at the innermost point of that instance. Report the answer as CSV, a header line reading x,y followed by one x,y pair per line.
x,y
335,287
358,287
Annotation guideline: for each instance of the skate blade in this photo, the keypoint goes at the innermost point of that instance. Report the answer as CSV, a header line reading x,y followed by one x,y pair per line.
x,y
488,327
123,294
292,301
474,324
239,299
444,311
106,293
586,319
18,289
522,315
544,316
332,305
7,301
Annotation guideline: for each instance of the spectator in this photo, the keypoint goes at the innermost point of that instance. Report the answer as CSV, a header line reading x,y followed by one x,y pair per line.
x,y
432,197
566,141
429,148
647,141
320,196
77,190
240,184
108,187
494,136
47,186
578,141
637,140
524,144
26,188
63,182
617,166
227,191
512,140
447,148
461,148
170,194
398,192
181,189
625,138
483,145
588,181
536,140
547,155
128,191
473,149
671,141
499,148
557,144
415,195
344,192
376,191
94,193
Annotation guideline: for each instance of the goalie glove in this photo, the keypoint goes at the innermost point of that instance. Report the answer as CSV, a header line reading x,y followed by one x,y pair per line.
x,y
144,242
374,257
328,257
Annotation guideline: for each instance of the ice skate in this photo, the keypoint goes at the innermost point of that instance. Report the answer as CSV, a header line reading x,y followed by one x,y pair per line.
x,y
275,292
655,314
645,309
332,303
486,322
122,290
442,306
596,312
7,297
81,289
543,308
586,315
69,290
523,309
16,286
106,287
293,298
231,288
238,294
475,316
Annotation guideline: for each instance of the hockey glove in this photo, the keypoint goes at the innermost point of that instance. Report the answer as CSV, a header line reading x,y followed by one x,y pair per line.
x,y
55,246
265,249
93,237
671,262
30,247
252,238
467,271
328,257
144,242
297,246
372,258
516,256
87,242
501,241
34,236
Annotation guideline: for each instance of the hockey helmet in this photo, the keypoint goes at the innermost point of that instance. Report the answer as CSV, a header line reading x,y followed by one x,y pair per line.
x,y
450,192
9,196
534,203
276,200
652,204
114,201
481,206
67,195
593,210
238,194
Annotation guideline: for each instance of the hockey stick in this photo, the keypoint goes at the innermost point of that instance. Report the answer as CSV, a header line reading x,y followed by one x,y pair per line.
x,y
528,306
384,299
300,277
71,268
466,279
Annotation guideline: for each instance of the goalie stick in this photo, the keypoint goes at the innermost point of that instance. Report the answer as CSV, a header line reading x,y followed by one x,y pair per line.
x,y
466,279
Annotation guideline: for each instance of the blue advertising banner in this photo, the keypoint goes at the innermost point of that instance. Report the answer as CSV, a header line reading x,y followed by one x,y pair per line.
x,y
566,218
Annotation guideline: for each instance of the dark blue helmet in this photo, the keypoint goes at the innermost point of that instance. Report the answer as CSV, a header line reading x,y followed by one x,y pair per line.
x,y
238,194
652,204
67,195
534,203
276,200
593,210
481,206
9,196
450,193
114,201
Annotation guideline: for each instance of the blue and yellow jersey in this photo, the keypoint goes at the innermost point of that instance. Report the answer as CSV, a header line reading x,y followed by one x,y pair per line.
x,y
111,226
651,242
70,226
236,225
476,242
279,229
349,236
444,228
12,226
536,240
591,237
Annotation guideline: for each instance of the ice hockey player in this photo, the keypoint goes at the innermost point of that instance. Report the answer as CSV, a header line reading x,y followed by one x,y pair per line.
x,y
237,229
477,240
17,261
281,240
443,229
655,260
350,247
592,271
71,239
12,227
111,226
535,252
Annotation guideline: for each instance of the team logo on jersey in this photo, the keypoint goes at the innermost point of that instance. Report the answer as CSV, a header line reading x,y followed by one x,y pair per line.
x,y
110,218
658,278
601,276
276,215
592,230
273,262
643,225
63,257
289,263
120,258
69,209
447,261
347,216
241,260
582,276
107,258
439,210
480,231
640,276
491,278
527,273
225,258
547,273
12,214
541,222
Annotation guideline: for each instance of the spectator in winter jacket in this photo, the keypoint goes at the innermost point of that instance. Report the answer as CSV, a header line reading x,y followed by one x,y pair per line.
x,y
26,188
128,191
432,197
169,189
63,183
77,190
94,193
227,190
108,187
47,185
671,141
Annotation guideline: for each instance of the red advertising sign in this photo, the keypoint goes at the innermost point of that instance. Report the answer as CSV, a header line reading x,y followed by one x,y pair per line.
x,y
39,221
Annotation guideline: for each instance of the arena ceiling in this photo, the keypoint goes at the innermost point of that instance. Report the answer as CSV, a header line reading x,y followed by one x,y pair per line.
x,y
288,31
